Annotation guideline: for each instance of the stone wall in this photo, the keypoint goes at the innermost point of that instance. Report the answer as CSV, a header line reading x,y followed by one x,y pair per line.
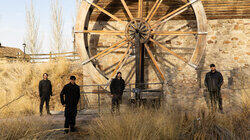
x,y
228,47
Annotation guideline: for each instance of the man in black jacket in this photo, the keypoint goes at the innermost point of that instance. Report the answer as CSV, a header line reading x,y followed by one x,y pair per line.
x,y
213,82
117,86
45,91
70,96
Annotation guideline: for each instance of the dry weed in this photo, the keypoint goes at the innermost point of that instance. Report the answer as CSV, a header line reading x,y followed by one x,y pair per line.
x,y
172,123
23,128
22,78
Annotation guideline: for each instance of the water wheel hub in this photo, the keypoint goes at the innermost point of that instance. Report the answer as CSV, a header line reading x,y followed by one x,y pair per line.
x,y
138,27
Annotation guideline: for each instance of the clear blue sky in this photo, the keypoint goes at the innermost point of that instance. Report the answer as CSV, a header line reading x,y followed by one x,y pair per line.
x,y
12,21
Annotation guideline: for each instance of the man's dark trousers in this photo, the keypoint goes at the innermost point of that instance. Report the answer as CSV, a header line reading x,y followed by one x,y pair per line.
x,y
44,99
70,118
116,101
215,97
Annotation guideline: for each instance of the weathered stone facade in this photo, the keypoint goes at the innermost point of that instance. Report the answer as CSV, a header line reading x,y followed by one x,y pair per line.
x,y
228,47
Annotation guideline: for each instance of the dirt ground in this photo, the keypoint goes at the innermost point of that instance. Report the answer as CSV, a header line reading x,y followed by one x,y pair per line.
x,y
57,120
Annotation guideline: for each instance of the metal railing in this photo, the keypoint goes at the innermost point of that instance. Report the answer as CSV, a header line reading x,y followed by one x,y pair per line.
x,y
101,89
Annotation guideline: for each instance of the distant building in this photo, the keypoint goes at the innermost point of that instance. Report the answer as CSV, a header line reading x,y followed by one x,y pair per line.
x,y
12,53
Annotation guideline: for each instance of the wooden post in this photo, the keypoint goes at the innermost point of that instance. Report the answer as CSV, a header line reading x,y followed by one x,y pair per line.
x,y
99,100
50,56
18,56
139,50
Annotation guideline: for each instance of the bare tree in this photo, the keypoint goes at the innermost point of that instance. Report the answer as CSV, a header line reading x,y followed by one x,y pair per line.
x,y
78,4
57,27
33,44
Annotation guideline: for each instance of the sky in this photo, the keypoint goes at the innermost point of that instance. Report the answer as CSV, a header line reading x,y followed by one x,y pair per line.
x,y
13,22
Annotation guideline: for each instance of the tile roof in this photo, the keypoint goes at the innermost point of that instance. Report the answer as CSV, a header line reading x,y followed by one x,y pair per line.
x,y
10,52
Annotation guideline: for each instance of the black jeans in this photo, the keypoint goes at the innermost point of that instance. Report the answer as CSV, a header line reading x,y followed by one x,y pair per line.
x,y
215,97
70,118
116,101
44,99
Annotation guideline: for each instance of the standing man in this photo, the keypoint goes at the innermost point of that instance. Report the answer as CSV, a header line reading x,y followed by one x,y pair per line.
x,y
213,83
117,86
45,91
70,96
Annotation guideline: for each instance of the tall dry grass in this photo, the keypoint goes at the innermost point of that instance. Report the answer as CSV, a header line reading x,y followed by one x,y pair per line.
x,y
173,122
22,78
24,128
18,120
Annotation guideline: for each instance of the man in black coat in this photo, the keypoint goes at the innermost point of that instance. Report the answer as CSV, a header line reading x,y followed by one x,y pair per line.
x,y
117,86
45,91
213,82
70,96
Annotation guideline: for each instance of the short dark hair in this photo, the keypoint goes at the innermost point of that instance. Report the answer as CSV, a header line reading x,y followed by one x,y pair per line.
x,y
45,74
72,78
119,72
212,65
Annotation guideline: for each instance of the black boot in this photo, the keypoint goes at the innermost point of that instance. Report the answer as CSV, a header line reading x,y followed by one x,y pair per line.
x,y
66,131
72,129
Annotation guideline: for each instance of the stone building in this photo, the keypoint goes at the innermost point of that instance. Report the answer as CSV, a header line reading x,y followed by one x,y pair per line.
x,y
227,45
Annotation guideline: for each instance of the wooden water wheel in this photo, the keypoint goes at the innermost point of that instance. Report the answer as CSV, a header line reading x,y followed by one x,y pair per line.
x,y
137,34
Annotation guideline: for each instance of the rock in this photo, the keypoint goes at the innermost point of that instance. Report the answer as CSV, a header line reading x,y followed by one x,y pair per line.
x,y
210,42
236,58
227,42
236,27
178,43
234,38
213,37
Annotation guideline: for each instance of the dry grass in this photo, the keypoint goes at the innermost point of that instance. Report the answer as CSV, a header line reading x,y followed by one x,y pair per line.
x,y
23,128
22,78
173,123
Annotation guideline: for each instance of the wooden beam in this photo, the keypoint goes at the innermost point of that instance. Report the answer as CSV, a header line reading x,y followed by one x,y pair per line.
x,y
154,61
102,32
140,8
171,52
175,33
111,50
120,62
127,9
106,12
53,54
119,67
114,45
159,21
153,10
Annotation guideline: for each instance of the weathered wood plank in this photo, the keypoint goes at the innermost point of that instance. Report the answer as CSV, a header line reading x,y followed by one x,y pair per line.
x,y
223,9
